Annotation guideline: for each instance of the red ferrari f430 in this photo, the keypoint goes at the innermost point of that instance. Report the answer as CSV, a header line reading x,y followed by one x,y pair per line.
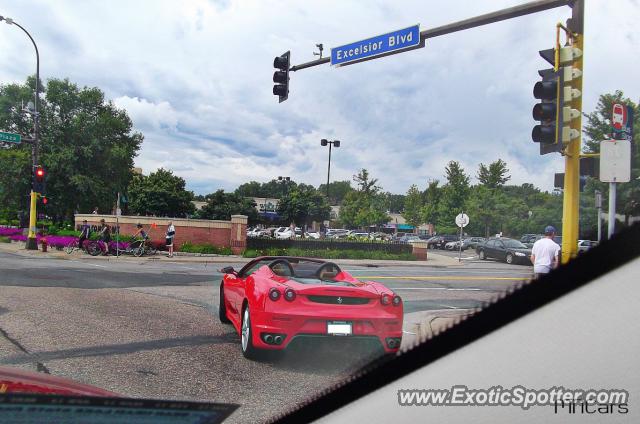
x,y
273,301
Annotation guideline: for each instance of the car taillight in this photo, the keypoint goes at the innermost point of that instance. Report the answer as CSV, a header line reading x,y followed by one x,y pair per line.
x,y
396,300
385,299
274,294
289,294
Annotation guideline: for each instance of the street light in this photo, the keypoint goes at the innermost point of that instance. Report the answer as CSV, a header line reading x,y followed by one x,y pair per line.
x,y
35,147
285,183
335,143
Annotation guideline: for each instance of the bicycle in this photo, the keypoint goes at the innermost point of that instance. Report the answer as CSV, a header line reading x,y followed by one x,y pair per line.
x,y
144,247
91,247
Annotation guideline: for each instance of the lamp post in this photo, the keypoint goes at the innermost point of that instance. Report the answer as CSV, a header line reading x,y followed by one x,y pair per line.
x,y
35,147
285,183
335,143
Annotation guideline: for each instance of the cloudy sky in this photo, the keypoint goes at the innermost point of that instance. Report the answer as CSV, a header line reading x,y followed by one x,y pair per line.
x,y
195,77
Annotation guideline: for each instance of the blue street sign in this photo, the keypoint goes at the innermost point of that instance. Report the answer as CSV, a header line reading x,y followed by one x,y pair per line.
x,y
381,45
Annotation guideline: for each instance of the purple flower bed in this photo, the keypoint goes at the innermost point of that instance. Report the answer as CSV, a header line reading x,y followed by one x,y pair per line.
x,y
123,245
4,232
60,241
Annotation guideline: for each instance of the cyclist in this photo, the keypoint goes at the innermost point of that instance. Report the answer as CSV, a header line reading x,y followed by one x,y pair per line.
x,y
105,237
139,237
85,232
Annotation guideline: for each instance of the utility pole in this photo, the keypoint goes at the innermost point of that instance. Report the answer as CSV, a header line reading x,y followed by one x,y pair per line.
x,y
35,147
599,209
335,143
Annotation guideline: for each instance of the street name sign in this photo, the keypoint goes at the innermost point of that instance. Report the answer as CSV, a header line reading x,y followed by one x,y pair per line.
x,y
10,137
462,220
378,46
615,161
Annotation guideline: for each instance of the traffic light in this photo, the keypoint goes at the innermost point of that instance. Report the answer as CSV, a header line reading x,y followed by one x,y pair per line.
x,y
281,77
45,200
556,94
39,179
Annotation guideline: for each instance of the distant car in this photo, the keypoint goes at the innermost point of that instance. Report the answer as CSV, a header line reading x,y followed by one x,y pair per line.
x,y
275,300
472,242
584,245
286,233
408,238
529,244
527,237
504,249
439,242
452,245
312,234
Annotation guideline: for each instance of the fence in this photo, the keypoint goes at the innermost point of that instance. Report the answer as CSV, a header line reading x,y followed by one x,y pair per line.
x,y
329,244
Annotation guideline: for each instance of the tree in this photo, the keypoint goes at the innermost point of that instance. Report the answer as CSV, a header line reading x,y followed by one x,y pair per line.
x,y
160,194
413,207
394,202
454,194
431,200
364,206
302,205
87,146
337,191
221,205
495,175
274,188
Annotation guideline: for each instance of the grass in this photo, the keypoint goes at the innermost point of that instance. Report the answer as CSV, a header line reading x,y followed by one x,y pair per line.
x,y
5,240
329,254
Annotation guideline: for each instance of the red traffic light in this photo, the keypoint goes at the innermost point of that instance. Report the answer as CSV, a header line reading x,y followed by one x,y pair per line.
x,y
40,172
45,200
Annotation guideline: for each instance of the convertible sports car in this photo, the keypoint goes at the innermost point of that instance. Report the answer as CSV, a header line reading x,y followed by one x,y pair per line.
x,y
273,300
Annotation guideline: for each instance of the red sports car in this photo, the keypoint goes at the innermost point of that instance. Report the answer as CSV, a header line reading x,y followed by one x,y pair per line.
x,y
273,300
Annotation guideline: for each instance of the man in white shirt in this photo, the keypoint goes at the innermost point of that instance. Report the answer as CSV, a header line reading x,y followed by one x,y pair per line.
x,y
544,254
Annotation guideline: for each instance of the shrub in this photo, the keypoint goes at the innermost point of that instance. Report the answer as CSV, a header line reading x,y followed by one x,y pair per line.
x,y
205,248
4,240
329,254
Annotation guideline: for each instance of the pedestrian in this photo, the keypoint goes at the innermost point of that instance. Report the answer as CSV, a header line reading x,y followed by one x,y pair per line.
x,y
292,230
171,231
85,233
545,253
95,211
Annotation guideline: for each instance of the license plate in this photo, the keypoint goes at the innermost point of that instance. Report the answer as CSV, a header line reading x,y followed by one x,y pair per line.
x,y
339,328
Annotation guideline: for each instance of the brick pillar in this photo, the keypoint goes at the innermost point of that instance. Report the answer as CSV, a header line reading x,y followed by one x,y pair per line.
x,y
238,236
420,250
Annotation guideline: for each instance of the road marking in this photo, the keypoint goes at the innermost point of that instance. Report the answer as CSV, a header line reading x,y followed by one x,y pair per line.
x,y
439,277
86,263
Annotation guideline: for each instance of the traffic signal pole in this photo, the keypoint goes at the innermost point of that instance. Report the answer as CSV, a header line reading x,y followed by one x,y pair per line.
x,y
571,199
31,238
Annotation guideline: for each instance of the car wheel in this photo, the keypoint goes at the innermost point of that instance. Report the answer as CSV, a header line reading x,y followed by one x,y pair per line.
x,y
248,350
509,258
482,255
222,308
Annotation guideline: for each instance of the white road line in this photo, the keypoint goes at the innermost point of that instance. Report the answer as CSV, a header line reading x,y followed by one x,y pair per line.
x,y
86,263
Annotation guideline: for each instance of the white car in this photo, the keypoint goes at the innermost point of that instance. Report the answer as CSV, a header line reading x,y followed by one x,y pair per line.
x,y
584,245
312,234
452,245
286,234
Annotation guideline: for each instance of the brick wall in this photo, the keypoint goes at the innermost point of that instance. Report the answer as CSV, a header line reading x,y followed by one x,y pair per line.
x,y
196,231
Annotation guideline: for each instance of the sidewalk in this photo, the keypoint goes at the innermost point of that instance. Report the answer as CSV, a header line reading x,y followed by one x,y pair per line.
x,y
434,259
423,325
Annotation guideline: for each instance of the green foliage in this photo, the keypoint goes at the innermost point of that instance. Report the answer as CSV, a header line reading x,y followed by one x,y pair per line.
x,y
337,191
274,188
454,194
596,129
5,240
413,207
160,194
205,248
221,205
394,203
329,254
302,205
364,206
87,146
495,175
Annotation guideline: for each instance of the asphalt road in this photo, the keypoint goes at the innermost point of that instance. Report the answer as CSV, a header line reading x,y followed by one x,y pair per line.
x,y
149,329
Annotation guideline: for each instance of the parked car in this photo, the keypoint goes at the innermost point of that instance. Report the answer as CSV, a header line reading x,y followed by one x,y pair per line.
x,y
408,238
529,244
504,249
584,245
472,242
286,233
274,300
438,242
452,245
312,234
527,237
